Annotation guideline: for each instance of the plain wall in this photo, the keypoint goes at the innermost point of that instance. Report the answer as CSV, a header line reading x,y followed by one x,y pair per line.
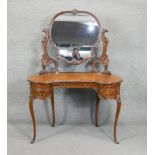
x,y
126,22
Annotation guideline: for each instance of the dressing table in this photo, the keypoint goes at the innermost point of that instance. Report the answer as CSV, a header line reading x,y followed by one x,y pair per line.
x,y
75,36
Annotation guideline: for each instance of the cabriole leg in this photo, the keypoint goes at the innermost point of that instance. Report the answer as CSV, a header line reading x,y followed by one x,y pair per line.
x,y
52,106
116,118
33,119
97,110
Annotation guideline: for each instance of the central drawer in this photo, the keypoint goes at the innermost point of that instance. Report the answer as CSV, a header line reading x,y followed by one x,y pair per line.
x,y
74,85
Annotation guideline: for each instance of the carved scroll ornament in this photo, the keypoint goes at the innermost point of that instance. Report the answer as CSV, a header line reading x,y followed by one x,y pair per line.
x,y
46,60
103,60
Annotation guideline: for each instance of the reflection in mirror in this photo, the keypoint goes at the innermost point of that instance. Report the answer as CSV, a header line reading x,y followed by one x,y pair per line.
x,y
75,36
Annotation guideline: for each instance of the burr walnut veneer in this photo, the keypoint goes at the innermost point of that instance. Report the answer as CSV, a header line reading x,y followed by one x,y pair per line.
x,y
106,87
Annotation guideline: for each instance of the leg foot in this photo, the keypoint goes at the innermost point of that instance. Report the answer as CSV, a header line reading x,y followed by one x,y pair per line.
x,y
116,142
32,141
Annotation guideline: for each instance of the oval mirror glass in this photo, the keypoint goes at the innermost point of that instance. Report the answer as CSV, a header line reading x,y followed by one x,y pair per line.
x,y
75,36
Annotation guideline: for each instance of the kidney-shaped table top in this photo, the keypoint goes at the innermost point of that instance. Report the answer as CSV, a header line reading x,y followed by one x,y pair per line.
x,y
75,77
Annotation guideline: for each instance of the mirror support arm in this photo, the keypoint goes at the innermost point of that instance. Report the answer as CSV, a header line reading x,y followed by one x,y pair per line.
x,y
103,59
46,60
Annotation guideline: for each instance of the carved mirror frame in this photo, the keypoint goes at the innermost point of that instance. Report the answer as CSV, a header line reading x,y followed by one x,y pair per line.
x,y
47,61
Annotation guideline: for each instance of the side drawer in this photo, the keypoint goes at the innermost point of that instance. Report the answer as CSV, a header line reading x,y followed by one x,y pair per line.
x,y
41,91
109,91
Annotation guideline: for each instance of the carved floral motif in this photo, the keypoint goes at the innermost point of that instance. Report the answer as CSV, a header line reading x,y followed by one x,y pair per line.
x,y
103,59
46,60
